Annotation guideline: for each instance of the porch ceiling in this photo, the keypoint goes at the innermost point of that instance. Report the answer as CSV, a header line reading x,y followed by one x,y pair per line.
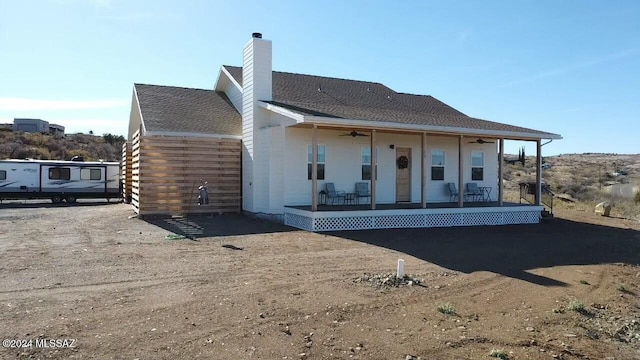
x,y
382,130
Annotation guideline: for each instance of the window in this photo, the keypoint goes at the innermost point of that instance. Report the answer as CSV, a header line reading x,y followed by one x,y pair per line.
x,y
366,163
90,174
59,173
3,175
321,161
437,164
477,165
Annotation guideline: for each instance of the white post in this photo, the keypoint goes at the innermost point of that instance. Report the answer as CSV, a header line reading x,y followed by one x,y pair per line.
x,y
539,173
423,171
460,173
501,174
314,168
400,272
374,169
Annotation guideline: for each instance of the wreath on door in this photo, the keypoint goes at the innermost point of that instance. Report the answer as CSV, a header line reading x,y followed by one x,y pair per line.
x,y
403,162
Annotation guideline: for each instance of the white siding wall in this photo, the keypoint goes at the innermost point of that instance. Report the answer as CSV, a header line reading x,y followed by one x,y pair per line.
x,y
276,170
257,85
490,165
261,168
231,90
343,167
134,116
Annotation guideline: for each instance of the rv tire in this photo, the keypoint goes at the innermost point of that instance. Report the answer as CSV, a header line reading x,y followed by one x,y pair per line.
x,y
70,199
56,199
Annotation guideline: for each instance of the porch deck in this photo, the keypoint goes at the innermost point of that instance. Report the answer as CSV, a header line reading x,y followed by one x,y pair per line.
x,y
439,205
409,215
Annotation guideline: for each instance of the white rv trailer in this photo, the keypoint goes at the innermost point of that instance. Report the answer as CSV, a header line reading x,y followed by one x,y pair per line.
x,y
58,180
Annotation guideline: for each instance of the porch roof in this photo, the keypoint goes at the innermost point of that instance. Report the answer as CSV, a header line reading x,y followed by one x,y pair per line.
x,y
324,100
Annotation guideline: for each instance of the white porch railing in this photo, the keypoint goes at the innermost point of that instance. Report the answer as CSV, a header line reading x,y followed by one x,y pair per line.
x,y
410,218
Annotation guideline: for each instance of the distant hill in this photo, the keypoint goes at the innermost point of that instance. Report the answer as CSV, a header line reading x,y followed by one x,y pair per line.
x,y
19,145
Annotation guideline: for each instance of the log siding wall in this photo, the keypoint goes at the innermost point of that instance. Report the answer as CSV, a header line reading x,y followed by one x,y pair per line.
x,y
125,171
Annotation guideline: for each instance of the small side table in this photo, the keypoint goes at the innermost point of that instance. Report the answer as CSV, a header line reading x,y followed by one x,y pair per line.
x,y
486,193
350,198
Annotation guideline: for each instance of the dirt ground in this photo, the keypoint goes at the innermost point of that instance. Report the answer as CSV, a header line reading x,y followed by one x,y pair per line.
x,y
248,289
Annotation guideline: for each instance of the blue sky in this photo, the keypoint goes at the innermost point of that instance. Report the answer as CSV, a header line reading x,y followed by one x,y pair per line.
x,y
567,67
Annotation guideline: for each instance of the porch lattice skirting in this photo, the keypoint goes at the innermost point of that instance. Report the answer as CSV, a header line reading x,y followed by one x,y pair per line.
x,y
410,218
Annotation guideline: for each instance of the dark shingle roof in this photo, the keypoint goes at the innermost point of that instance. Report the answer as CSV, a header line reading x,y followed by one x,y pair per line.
x,y
176,109
361,100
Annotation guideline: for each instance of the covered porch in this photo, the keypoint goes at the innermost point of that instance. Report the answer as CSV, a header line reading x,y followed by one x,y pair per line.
x,y
429,204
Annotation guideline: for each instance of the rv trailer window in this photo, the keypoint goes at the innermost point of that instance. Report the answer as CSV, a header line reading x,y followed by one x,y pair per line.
x,y
3,175
90,174
60,173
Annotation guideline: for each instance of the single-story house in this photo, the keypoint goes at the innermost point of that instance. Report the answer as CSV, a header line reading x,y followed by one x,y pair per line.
x,y
319,153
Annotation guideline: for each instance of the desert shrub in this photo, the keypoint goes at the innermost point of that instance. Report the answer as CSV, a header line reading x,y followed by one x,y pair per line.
x,y
20,145
637,198
69,153
42,153
627,208
576,305
500,354
578,191
447,309
21,153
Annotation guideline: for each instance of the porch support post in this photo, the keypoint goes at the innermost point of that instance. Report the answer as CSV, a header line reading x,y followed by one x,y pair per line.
x,y
374,169
423,170
501,173
539,172
314,168
460,173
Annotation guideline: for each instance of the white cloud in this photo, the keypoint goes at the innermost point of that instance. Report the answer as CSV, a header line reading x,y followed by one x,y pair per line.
x,y
24,104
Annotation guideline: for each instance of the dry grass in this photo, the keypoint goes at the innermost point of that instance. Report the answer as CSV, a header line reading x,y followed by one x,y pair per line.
x,y
584,180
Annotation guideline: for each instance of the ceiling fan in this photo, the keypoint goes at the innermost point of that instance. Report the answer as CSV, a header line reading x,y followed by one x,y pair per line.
x,y
354,134
481,141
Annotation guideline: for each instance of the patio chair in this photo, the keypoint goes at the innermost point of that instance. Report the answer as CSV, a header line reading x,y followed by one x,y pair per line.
x,y
474,191
332,194
362,191
453,192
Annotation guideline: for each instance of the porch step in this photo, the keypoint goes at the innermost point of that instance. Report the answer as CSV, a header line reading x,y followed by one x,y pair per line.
x,y
546,215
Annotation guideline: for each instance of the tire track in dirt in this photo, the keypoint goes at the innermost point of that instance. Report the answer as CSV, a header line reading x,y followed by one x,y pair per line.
x,y
107,285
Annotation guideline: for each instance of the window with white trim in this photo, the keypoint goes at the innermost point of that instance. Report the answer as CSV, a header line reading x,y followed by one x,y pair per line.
x,y
477,165
90,174
437,164
321,161
366,163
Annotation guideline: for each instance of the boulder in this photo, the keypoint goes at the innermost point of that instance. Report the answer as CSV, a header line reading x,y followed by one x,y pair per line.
x,y
603,208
